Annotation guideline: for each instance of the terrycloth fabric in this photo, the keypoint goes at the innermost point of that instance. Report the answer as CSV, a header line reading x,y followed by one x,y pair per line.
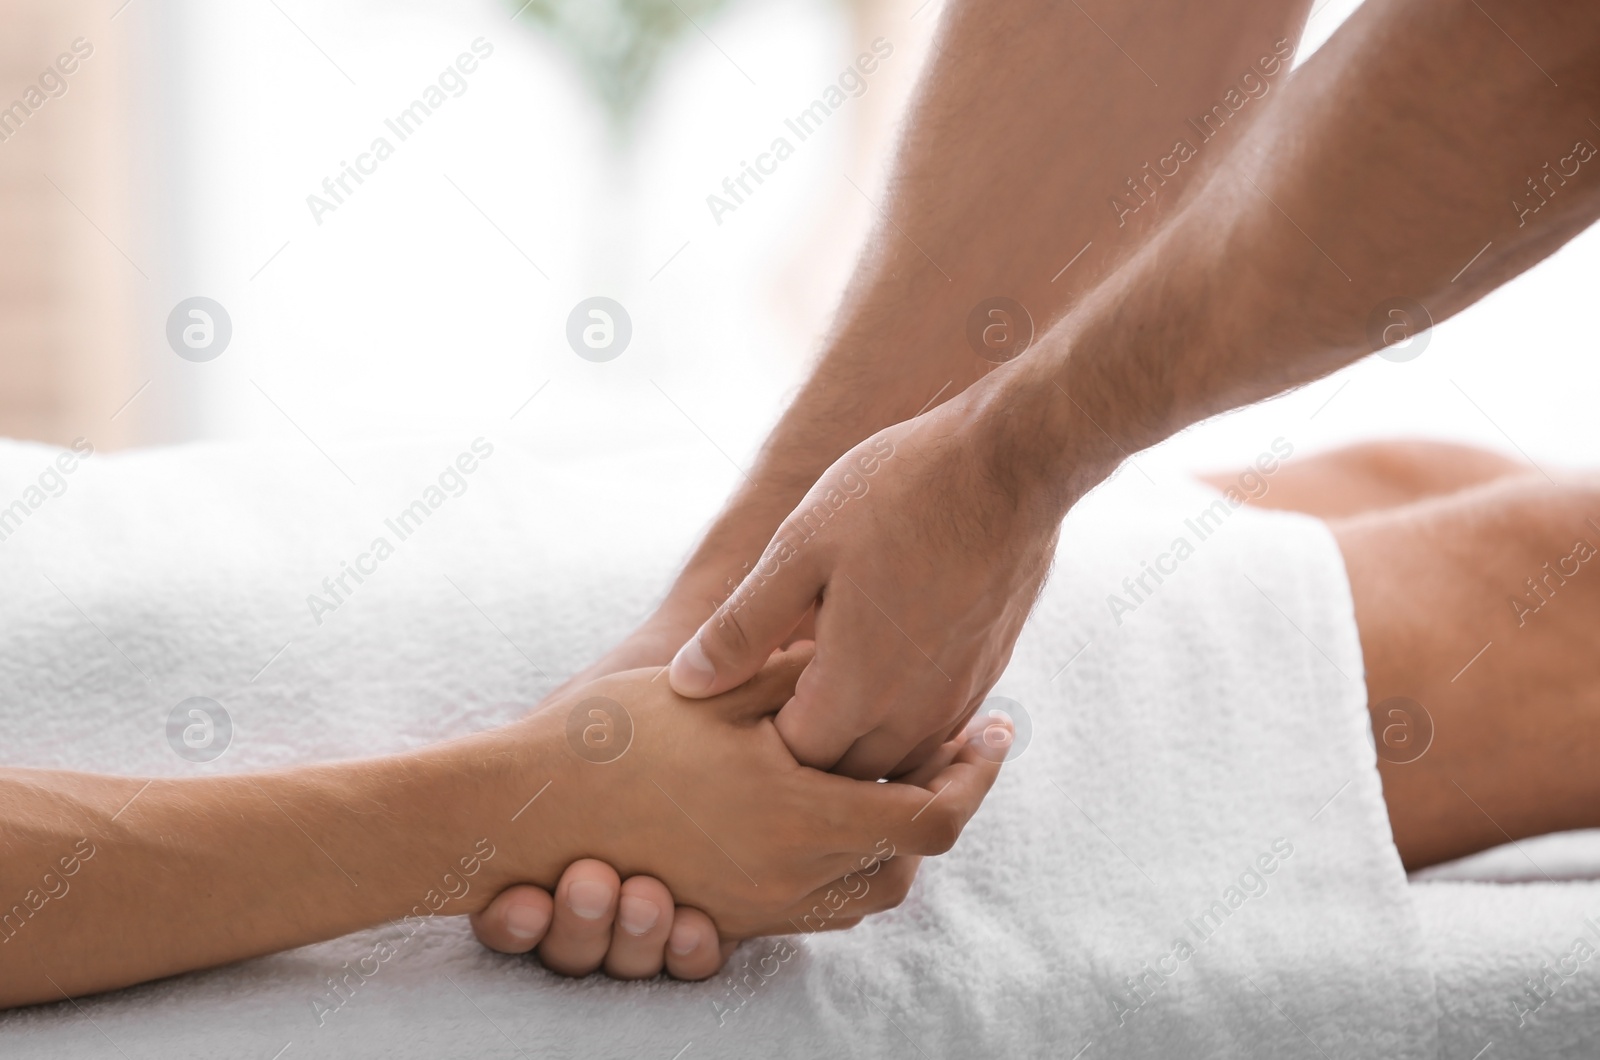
x,y
1545,858
1518,968
1188,857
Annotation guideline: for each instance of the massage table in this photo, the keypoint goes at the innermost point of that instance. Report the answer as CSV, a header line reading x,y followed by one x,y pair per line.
x,y
1187,853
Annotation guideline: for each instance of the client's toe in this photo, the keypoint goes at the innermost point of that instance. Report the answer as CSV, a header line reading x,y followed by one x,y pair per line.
x,y
693,949
644,923
515,921
580,931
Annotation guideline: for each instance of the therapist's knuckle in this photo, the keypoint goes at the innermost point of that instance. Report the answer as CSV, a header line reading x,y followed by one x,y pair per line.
x,y
729,635
811,687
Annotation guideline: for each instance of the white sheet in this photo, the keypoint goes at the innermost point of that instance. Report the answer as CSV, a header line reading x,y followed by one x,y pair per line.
x,y
1546,858
1169,751
1518,968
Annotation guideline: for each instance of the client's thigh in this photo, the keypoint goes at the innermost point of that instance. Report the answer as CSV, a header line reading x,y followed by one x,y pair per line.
x,y
1483,607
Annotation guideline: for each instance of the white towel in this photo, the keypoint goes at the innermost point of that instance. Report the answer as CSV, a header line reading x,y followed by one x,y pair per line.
x,y
1201,747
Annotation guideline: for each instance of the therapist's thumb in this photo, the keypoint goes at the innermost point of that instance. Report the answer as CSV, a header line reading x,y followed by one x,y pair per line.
x,y
735,642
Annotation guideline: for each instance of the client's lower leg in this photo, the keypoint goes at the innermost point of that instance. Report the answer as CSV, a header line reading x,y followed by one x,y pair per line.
x,y
1484,608
1372,475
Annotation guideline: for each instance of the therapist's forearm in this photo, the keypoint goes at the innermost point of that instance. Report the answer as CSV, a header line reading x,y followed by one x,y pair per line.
x,y
1030,117
1400,152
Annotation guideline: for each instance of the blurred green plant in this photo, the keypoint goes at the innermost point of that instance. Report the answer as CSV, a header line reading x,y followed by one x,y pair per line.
x,y
617,44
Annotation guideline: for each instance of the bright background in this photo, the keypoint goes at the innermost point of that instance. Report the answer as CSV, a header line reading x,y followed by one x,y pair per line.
x,y
435,299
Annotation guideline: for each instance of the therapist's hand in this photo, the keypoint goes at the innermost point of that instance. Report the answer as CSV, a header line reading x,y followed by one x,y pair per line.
x,y
715,774
923,553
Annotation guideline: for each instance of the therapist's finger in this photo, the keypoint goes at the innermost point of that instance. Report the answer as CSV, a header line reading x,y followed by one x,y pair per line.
x,y
772,686
763,611
515,920
928,818
936,759
862,708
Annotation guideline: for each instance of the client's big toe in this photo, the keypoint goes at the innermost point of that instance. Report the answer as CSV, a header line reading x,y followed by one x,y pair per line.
x,y
515,920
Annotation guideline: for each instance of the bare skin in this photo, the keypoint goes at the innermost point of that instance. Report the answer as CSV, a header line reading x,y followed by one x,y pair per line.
x,y
1267,276
1427,135
1032,110
594,920
114,880
1156,346
1367,477
1440,543
1438,539
1027,120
